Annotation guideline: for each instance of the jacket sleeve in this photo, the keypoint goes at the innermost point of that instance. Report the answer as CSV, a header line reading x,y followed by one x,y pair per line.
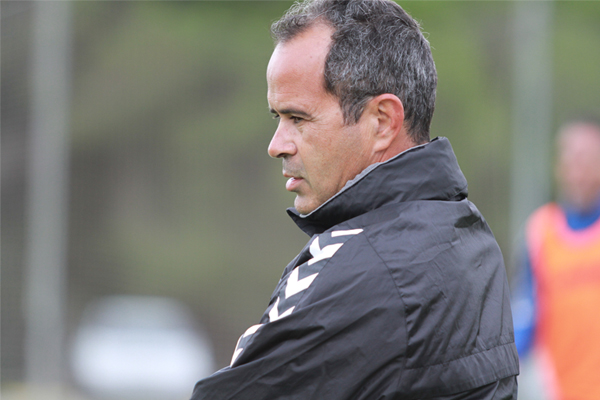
x,y
342,339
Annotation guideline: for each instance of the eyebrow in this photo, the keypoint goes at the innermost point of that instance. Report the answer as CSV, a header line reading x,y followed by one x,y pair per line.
x,y
288,111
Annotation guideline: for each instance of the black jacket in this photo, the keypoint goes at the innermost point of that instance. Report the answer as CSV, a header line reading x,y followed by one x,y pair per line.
x,y
401,293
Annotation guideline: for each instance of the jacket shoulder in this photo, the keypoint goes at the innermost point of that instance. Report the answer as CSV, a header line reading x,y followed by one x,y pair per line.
x,y
449,273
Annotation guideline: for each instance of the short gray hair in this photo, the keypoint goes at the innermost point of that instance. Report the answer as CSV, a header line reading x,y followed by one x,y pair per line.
x,y
376,48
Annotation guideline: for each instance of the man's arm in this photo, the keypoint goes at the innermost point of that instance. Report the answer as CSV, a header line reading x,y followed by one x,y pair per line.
x,y
523,305
334,329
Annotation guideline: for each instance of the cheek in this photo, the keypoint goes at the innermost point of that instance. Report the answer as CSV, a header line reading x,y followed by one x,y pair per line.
x,y
344,164
333,156
325,170
356,153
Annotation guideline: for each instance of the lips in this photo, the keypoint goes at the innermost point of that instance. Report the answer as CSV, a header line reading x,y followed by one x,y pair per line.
x,y
294,173
293,183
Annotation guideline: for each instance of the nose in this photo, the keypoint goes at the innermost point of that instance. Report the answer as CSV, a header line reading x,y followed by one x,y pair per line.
x,y
281,144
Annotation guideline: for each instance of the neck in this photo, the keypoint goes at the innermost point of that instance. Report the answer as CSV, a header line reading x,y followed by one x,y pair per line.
x,y
582,218
402,143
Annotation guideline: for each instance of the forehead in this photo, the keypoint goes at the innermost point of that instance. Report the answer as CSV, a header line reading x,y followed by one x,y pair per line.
x,y
300,62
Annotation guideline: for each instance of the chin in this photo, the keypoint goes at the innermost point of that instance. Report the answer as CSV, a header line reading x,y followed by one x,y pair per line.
x,y
303,206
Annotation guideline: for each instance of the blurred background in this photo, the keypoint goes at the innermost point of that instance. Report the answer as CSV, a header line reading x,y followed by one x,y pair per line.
x,y
143,223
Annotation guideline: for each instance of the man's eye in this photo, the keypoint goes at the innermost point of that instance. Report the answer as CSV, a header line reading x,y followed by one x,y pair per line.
x,y
296,119
275,116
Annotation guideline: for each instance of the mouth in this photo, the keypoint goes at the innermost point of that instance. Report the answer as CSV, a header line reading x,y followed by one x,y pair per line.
x,y
292,183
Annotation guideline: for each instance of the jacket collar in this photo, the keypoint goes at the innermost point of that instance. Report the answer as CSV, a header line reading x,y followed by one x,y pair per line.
x,y
425,172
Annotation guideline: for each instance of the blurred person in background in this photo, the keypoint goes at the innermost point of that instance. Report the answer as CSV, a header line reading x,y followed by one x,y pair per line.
x,y
401,291
556,295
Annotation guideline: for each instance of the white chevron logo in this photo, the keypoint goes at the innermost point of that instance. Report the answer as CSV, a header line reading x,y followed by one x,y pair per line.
x,y
319,253
250,331
235,356
274,313
346,232
294,285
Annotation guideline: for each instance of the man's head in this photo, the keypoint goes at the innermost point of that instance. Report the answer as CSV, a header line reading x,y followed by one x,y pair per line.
x,y
376,48
578,167
353,83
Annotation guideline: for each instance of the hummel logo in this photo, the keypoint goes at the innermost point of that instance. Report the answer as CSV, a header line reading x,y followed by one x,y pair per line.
x,y
274,313
294,284
238,348
322,253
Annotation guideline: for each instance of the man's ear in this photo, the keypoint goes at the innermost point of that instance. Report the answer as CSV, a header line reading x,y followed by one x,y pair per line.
x,y
391,136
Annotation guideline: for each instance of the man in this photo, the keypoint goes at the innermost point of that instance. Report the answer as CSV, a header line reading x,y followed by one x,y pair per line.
x,y
401,291
558,294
